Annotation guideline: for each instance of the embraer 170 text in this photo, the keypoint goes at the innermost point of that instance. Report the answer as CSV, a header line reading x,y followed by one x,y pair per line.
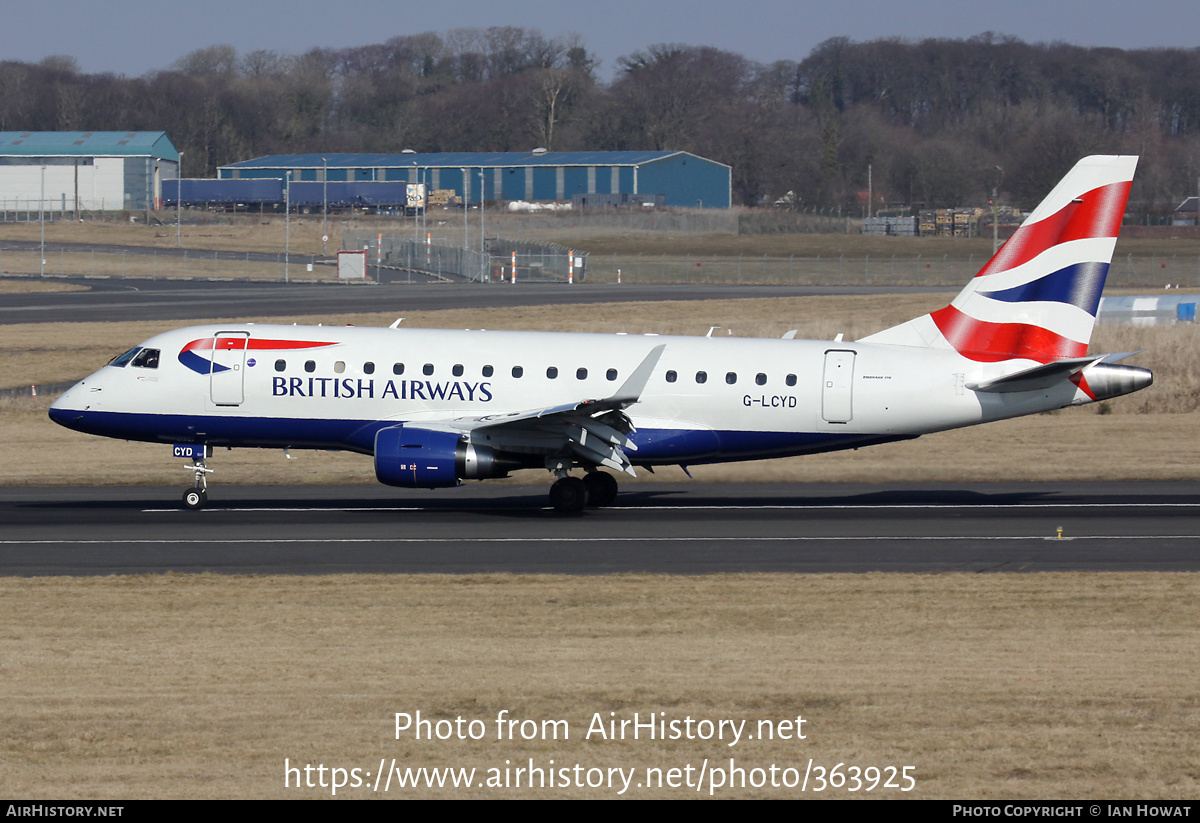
x,y
436,407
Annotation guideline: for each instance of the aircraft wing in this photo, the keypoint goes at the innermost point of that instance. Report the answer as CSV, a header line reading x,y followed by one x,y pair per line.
x,y
593,431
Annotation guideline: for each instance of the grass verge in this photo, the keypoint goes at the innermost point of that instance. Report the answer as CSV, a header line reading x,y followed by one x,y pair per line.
x,y
990,686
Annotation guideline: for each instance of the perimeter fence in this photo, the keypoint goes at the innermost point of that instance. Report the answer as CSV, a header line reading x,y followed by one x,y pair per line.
x,y
531,261
138,262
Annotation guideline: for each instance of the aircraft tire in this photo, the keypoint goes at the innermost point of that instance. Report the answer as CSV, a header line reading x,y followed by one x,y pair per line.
x,y
601,488
195,499
568,495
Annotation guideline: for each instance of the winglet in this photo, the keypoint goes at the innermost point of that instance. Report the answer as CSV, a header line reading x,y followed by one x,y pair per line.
x,y
631,391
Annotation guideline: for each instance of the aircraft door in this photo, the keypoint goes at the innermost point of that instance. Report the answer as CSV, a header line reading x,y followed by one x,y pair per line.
x,y
837,387
229,368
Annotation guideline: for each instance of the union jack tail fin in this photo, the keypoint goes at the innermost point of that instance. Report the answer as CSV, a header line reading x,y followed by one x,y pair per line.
x,y
1036,299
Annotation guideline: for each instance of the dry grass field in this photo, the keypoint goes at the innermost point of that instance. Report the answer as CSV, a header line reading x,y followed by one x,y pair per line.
x,y
10,286
989,686
248,233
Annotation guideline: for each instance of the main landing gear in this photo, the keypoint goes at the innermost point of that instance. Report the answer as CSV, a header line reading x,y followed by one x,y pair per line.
x,y
195,497
570,495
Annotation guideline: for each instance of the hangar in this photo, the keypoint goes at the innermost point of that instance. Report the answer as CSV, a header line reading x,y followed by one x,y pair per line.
x,y
671,178
85,170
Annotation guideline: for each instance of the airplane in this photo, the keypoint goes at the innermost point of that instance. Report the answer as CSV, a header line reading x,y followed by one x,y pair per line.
x,y
436,407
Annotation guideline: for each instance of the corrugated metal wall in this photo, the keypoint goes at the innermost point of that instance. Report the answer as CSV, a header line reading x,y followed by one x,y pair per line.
x,y
684,180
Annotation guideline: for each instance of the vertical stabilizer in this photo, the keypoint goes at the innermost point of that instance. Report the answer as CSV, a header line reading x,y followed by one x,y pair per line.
x,y
1036,299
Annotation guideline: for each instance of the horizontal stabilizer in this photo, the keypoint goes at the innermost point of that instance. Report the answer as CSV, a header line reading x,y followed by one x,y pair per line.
x,y
1036,377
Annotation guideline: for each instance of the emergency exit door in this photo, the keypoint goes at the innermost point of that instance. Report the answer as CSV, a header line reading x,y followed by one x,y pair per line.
x,y
837,387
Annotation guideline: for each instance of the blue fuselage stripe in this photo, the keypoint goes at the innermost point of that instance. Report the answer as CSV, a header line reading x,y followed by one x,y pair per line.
x,y
657,446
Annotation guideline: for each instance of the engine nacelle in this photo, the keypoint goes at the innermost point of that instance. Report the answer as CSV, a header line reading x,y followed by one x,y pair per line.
x,y
1105,380
425,459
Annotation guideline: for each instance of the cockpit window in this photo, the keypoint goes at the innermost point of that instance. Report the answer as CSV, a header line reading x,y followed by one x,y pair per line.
x,y
146,359
121,361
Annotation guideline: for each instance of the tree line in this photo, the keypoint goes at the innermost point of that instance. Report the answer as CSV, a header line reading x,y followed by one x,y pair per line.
x,y
939,122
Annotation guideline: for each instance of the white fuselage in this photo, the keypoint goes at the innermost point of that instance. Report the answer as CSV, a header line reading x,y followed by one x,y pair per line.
x,y
707,400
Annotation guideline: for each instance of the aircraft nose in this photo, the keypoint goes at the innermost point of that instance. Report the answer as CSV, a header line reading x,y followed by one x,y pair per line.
x,y
68,405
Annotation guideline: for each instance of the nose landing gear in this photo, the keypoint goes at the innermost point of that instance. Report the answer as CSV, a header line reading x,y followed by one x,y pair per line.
x,y
195,497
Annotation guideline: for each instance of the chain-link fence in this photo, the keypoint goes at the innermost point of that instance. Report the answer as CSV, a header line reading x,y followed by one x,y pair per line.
x,y
397,261
623,220
136,262
504,259
33,210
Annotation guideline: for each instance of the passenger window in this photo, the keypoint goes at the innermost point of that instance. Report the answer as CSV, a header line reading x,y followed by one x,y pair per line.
x,y
428,368
368,368
310,366
761,379
581,374
280,365
339,366
701,377
552,372
147,359
518,371
487,371
790,380
671,377
611,374
397,368
730,377
458,370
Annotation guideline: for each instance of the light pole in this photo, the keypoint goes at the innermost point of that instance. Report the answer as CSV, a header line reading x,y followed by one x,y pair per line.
x,y
287,226
417,190
42,220
482,230
996,211
324,205
465,203
179,202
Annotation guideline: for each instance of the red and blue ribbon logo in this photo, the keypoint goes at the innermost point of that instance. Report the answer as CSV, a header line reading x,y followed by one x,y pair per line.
x,y
200,364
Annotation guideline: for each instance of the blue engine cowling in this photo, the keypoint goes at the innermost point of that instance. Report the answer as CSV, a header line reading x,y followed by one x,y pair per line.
x,y
425,459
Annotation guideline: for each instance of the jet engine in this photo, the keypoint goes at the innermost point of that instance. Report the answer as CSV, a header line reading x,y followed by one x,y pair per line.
x,y
1104,380
425,459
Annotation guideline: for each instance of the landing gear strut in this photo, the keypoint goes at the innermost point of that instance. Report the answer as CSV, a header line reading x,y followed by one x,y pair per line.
x,y
197,496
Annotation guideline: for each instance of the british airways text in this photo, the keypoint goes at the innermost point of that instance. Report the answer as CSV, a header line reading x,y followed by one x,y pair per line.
x,y
357,388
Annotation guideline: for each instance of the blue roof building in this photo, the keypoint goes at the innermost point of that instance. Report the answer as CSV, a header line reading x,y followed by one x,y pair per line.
x,y
678,178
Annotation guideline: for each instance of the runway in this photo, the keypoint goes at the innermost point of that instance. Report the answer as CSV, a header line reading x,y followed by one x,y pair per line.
x,y
677,528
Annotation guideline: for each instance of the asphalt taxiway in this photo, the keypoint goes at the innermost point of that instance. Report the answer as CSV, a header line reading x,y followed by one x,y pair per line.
x,y
679,528
123,300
